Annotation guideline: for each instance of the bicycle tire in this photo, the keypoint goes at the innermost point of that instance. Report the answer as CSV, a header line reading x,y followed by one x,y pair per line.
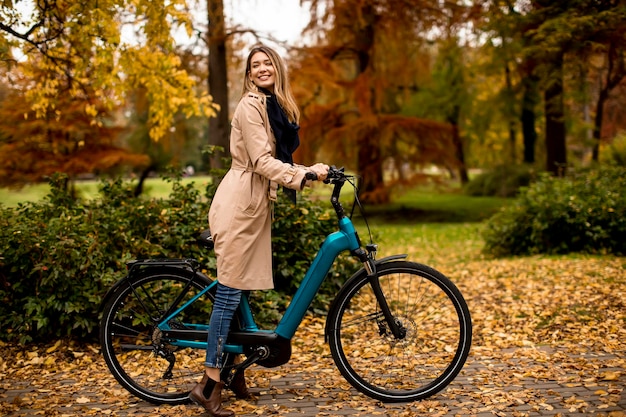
x,y
438,333
131,344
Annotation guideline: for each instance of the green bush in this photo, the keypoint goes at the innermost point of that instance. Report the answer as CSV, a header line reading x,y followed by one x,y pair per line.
x,y
615,152
59,256
502,181
584,212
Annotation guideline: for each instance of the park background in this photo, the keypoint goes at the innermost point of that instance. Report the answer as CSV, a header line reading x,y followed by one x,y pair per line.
x,y
488,137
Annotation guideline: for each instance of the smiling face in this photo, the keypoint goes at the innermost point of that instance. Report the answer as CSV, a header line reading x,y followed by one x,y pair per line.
x,y
262,73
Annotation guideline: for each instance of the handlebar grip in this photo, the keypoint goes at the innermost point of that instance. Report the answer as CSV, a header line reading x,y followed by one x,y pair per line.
x,y
312,176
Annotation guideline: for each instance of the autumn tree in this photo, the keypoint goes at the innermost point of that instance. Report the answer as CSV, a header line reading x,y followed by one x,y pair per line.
x,y
64,139
608,40
564,32
508,33
369,57
451,86
554,48
111,46
447,96
180,146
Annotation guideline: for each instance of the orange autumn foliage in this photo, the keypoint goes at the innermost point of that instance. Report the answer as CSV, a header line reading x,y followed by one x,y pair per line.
x,y
369,57
68,140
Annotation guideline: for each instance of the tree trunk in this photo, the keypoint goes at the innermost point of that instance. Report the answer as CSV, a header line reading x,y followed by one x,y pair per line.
x,y
142,180
369,156
597,125
460,155
529,132
219,128
459,152
615,73
510,114
556,152
370,165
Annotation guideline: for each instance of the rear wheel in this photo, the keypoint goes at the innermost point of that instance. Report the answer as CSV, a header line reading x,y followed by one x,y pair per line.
x,y
138,356
437,333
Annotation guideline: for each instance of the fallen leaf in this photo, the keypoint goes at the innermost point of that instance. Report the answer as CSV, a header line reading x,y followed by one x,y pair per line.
x,y
610,376
54,347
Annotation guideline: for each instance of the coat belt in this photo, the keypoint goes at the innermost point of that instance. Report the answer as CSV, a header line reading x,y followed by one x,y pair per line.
x,y
272,191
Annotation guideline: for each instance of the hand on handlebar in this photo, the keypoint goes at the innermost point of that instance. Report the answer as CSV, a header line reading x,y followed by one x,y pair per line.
x,y
317,172
320,171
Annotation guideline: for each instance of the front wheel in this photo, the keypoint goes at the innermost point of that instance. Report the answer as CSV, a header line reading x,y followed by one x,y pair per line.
x,y
435,341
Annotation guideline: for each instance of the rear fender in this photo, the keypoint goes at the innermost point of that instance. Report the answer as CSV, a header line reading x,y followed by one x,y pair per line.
x,y
141,265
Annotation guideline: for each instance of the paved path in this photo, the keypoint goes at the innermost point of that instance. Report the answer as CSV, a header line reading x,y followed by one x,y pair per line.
x,y
515,382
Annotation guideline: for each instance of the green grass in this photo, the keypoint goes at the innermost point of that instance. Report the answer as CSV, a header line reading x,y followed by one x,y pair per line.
x,y
11,197
153,187
430,243
423,205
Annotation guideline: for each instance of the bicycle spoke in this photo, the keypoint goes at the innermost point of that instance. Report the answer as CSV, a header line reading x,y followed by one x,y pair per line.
x,y
360,320
131,332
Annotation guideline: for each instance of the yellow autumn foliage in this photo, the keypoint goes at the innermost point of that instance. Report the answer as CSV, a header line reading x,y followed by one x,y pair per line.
x,y
112,47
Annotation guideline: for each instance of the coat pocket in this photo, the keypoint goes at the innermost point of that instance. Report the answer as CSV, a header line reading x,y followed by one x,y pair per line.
x,y
254,195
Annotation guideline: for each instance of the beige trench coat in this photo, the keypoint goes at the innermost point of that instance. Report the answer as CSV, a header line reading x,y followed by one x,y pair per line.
x,y
241,210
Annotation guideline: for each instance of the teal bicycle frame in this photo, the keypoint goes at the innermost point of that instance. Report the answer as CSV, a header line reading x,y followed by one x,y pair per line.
x,y
345,238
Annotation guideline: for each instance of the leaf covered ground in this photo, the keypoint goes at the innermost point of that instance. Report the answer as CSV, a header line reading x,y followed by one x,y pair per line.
x,y
549,339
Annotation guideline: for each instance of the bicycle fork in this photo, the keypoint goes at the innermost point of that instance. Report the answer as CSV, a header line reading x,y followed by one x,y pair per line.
x,y
368,259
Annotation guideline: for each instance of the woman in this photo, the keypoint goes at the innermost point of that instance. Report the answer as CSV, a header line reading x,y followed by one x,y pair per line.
x,y
263,137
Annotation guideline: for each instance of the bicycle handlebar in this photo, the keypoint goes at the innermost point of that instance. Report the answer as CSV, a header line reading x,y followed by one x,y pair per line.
x,y
337,177
334,174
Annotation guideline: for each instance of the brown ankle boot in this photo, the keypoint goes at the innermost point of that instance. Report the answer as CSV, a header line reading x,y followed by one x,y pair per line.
x,y
208,394
239,387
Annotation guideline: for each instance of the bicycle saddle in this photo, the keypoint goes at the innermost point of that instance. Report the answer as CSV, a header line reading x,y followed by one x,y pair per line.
x,y
205,239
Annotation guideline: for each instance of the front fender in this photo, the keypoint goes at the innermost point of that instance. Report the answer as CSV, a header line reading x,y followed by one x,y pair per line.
x,y
357,275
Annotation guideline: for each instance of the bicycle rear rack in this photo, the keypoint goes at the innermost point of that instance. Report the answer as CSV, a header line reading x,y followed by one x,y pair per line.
x,y
188,263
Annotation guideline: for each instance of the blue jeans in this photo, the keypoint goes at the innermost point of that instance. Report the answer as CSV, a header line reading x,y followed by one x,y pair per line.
x,y
226,302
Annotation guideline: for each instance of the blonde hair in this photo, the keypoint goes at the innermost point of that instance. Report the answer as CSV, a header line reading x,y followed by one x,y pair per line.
x,y
282,88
